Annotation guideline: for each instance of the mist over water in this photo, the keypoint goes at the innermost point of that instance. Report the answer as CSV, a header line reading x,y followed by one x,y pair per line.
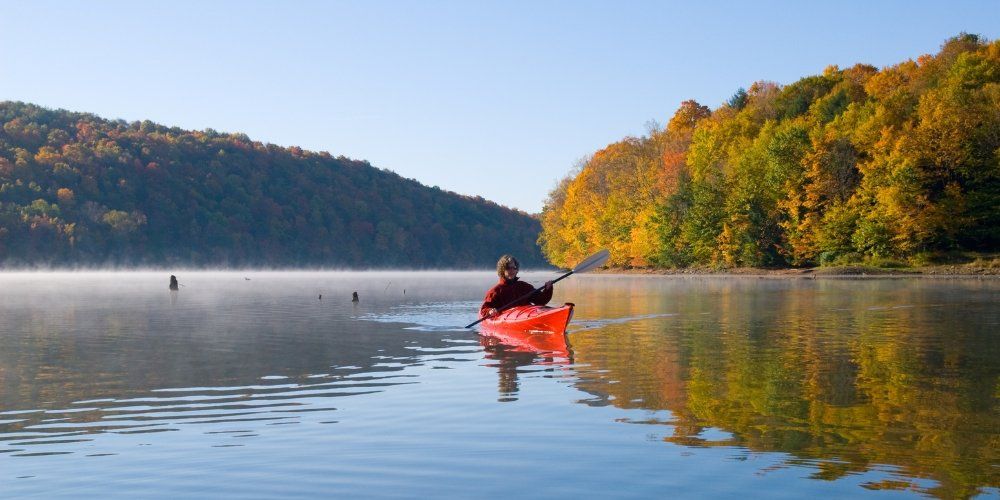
x,y
277,384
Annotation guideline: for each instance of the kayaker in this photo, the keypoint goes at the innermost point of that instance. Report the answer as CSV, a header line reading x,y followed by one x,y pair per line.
x,y
510,288
173,282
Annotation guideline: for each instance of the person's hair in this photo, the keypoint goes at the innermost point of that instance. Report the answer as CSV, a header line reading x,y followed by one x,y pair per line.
x,y
504,261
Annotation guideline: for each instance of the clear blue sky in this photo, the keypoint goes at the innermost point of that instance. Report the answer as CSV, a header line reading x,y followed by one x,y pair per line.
x,y
497,99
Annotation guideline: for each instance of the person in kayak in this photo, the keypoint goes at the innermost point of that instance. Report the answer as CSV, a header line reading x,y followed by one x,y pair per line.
x,y
510,288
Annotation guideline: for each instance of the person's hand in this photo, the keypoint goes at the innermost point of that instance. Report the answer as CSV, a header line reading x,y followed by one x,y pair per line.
x,y
491,312
548,286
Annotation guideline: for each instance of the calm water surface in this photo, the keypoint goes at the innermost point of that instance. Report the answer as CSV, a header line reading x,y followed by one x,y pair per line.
x,y
250,385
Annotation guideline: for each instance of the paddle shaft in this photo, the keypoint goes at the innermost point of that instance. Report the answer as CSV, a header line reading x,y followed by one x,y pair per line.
x,y
515,301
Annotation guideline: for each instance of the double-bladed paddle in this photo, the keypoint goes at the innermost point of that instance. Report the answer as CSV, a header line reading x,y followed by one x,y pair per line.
x,y
596,260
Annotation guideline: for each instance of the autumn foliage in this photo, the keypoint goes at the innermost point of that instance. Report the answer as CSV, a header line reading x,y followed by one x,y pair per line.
x,y
853,164
78,190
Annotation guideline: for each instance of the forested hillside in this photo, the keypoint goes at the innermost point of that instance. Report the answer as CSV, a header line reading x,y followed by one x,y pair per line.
x,y
853,165
78,190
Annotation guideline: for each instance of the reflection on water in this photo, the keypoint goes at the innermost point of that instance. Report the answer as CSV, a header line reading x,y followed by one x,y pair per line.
x,y
85,354
511,361
864,385
844,376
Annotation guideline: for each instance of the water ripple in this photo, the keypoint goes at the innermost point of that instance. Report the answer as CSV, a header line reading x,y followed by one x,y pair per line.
x,y
431,317
165,409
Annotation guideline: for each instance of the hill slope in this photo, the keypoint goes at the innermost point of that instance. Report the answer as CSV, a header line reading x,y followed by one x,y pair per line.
x,y
78,190
855,165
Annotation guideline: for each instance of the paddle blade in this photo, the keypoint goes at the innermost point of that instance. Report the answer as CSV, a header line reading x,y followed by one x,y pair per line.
x,y
596,260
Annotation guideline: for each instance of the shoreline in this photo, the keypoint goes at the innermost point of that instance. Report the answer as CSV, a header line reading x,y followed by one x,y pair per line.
x,y
958,271
964,271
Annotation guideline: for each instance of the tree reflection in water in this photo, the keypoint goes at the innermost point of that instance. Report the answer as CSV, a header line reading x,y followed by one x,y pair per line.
x,y
846,377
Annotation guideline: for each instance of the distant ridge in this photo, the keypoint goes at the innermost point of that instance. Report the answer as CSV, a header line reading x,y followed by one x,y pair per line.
x,y
79,190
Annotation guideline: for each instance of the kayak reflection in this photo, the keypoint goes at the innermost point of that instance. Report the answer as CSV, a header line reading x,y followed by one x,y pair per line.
x,y
525,336
509,359
555,344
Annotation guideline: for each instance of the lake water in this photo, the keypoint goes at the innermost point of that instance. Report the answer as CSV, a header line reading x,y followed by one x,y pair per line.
x,y
250,385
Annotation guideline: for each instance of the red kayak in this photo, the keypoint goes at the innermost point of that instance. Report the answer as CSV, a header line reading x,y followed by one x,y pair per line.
x,y
534,328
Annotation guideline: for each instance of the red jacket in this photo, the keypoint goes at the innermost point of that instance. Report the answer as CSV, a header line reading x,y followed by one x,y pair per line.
x,y
507,290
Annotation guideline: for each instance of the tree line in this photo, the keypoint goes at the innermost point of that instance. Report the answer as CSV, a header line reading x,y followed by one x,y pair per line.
x,y
898,165
79,190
